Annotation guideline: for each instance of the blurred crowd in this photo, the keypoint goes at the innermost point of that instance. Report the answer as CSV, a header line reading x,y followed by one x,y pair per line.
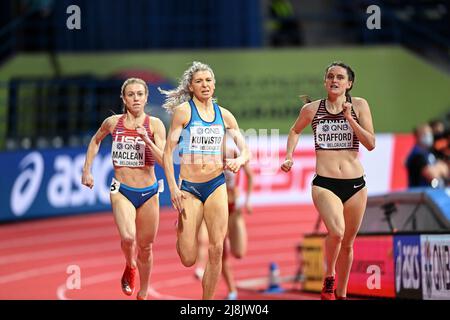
x,y
428,163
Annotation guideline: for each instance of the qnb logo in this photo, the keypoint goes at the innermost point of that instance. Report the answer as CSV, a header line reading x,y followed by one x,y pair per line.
x,y
440,267
208,130
27,184
212,130
407,268
428,268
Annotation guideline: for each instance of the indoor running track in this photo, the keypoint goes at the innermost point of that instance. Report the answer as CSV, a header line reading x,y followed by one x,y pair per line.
x,y
37,257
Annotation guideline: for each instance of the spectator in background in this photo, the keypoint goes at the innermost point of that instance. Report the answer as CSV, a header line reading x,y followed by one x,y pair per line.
x,y
424,170
283,24
441,139
38,33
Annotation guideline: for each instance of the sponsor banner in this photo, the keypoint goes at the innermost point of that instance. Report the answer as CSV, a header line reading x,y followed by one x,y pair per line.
x,y
313,254
407,258
435,251
273,186
372,272
48,183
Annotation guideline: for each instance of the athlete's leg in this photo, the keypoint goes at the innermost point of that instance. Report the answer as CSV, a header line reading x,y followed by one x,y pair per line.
x,y
216,218
330,209
227,271
189,221
202,255
124,216
147,221
354,209
237,233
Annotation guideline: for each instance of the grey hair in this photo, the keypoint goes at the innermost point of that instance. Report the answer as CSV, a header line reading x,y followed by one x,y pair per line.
x,y
182,93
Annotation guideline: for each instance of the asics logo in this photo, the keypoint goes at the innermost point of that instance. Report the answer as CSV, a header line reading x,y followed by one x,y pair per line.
x,y
359,185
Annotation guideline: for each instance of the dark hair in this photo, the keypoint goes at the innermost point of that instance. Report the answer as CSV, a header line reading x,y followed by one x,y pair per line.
x,y
350,74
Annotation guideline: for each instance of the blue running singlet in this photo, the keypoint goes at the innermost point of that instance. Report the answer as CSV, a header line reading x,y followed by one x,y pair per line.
x,y
200,136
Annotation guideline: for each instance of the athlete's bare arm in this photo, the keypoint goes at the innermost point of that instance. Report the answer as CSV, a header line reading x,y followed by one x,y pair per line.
x,y
108,124
304,118
180,117
159,133
249,174
364,130
233,128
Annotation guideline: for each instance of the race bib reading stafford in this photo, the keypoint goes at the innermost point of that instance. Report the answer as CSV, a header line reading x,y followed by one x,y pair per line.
x,y
206,139
334,134
128,153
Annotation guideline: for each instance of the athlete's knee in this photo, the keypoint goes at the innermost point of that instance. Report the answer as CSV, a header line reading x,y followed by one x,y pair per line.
x,y
347,244
188,260
145,251
187,257
215,252
336,234
127,241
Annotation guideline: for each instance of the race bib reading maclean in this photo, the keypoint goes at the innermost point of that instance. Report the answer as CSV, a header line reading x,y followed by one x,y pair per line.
x,y
334,134
206,139
127,153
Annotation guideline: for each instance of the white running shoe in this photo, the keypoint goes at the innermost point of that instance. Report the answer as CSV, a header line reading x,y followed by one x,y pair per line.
x,y
199,272
232,295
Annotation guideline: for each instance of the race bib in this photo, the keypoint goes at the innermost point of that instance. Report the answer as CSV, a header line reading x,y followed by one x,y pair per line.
x,y
206,139
334,134
115,186
128,154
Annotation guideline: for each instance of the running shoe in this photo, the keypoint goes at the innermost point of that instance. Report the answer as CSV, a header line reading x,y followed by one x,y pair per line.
x,y
232,295
127,280
328,289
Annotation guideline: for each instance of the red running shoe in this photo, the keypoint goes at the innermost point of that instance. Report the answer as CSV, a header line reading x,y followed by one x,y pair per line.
x,y
328,289
127,280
